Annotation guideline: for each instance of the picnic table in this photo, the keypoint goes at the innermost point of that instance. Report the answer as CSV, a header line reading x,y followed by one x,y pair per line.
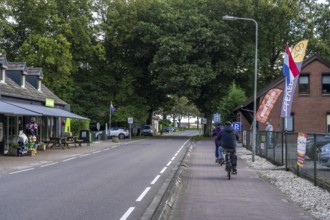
x,y
56,142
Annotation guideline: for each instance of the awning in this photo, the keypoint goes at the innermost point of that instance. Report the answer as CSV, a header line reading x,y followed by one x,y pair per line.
x,y
46,111
8,109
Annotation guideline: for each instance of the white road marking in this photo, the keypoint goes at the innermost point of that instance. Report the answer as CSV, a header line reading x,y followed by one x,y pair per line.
x,y
143,194
69,159
106,149
155,180
84,155
20,171
163,170
95,152
50,164
173,158
168,163
127,213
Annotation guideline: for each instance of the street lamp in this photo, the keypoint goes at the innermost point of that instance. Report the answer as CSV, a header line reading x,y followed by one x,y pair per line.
x,y
232,18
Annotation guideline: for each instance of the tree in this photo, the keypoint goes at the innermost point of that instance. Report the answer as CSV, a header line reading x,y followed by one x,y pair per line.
x,y
228,103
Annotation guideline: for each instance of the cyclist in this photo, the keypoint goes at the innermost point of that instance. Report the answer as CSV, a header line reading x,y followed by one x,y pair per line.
x,y
228,138
218,151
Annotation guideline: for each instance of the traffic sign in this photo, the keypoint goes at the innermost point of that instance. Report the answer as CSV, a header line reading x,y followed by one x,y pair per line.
x,y
130,120
216,117
236,126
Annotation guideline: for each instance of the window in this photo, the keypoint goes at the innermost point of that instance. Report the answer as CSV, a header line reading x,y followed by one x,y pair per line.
x,y
328,122
304,84
326,84
289,123
2,75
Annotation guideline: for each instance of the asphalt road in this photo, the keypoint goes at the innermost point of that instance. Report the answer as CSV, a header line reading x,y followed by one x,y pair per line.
x,y
117,182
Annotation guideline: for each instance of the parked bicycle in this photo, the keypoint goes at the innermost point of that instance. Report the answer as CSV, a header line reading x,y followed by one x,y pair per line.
x,y
229,167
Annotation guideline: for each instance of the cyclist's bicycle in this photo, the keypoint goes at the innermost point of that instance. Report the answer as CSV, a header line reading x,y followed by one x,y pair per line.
x,y
228,158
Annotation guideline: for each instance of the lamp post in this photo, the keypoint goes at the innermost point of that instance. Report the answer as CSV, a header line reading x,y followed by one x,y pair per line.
x,y
254,135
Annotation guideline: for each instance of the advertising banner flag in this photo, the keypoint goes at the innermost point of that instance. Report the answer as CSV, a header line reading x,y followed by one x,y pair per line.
x,y
291,69
267,104
301,149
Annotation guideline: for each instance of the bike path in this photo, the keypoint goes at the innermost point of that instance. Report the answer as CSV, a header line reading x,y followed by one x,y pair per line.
x,y
208,194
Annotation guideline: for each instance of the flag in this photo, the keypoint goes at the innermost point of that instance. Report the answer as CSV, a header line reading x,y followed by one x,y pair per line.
x,y
112,109
291,70
267,104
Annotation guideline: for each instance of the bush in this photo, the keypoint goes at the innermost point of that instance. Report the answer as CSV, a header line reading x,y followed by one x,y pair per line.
x,y
77,125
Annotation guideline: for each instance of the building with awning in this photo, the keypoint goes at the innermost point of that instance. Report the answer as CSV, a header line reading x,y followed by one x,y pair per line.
x,y
23,97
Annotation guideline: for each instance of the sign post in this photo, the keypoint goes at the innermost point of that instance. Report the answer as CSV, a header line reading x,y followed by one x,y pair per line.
x,y
130,122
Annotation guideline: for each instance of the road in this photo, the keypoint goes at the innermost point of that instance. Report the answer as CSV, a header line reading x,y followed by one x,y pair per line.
x,y
116,182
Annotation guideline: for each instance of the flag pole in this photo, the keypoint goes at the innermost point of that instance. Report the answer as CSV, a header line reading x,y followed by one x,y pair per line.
x,y
110,111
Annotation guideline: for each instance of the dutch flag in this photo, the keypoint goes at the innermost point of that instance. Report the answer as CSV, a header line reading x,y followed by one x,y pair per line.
x,y
290,69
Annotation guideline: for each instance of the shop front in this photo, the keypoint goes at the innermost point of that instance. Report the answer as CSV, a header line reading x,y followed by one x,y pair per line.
x,y
39,123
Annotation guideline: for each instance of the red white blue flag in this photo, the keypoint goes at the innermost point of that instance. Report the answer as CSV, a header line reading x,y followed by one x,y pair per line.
x,y
291,69
112,109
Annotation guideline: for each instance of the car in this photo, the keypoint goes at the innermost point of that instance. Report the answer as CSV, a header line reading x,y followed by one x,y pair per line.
x,y
168,129
324,155
321,140
146,130
120,132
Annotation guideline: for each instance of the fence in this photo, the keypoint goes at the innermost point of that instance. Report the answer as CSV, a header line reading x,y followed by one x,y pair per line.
x,y
281,149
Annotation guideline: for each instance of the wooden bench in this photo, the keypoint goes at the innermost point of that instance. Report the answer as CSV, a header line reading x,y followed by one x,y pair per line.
x,y
67,139
78,141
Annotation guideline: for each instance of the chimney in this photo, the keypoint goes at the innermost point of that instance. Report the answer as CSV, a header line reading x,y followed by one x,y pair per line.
x,y
3,67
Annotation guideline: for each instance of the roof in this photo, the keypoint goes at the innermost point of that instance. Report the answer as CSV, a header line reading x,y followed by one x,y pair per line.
x,y
280,80
17,66
34,71
12,89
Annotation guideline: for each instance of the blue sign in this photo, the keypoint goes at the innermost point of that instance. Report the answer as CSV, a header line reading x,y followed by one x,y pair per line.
x,y
236,126
216,117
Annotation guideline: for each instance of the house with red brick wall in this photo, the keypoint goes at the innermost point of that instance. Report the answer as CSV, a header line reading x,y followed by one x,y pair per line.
x,y
310,110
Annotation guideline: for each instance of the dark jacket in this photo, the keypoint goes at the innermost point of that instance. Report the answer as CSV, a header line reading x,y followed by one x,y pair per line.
x,y
228,137
216,132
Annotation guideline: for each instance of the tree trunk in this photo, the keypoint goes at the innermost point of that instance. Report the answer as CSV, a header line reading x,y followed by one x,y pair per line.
x,y
208,126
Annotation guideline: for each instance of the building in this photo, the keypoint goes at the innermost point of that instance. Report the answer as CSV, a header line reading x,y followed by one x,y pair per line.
x,y
23,97
310,110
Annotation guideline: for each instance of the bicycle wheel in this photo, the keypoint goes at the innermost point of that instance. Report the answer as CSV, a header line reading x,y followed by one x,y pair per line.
x,y
228,165
229,171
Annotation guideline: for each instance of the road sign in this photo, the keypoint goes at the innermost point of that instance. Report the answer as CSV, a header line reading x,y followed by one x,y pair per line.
x,y
203,121
236,126
130,120
216,117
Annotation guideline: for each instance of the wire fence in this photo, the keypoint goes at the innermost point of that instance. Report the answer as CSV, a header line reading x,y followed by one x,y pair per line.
x,y
280,148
